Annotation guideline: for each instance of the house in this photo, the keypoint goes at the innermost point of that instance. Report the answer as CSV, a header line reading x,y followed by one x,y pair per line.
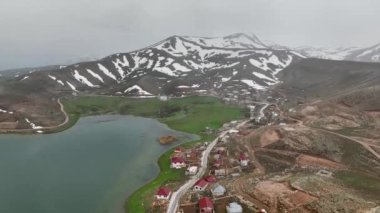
x,y
200,185
220,172
210,179
163,193
234,208
192,170
218,163
206,205
163,98
243,159
218,190
177,162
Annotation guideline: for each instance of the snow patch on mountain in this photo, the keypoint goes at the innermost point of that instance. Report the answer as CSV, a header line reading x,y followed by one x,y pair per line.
x,y
107,72
253,84
138,90
83,79
95,75
71,86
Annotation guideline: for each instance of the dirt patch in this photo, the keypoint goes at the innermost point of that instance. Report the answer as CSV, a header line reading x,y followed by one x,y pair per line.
x,y
309,110
307,160
270,136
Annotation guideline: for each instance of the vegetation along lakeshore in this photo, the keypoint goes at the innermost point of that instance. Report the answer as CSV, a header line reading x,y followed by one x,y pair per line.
x,y
189,114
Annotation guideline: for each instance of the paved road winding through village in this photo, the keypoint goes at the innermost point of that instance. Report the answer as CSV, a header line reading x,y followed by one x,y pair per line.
x,y
174,200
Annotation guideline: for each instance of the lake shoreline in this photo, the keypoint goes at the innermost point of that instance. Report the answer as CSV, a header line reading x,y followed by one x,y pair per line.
x,y
200,112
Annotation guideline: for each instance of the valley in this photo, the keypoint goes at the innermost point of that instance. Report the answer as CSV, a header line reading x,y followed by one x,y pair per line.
x,y
279,131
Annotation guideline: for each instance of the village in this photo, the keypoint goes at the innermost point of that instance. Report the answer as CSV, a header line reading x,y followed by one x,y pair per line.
x,y
227,161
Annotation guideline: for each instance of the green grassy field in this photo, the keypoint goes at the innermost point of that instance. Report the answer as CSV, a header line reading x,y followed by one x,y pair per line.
x,y
190,114
366,184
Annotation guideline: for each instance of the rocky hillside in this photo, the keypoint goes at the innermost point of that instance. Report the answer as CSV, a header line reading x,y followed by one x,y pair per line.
x,y
229,66
315,78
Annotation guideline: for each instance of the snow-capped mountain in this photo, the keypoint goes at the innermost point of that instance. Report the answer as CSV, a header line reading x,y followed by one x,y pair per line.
x,y
230,66
369,54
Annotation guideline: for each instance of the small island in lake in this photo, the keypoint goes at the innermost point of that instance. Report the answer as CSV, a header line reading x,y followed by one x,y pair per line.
x,y
167,139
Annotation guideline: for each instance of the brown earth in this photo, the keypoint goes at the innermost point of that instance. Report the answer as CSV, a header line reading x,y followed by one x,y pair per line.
x,y
167,139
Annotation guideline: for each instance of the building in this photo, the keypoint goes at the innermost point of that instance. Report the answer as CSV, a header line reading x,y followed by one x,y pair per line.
x,y
218,163
234,208
163,98
177,162
210,179
220,172
163,193
200,185
206,205
192,170
243,159
218,190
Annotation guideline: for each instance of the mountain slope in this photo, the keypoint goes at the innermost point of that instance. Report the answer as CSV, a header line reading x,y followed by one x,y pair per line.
x,y
368,54
177,65
326,78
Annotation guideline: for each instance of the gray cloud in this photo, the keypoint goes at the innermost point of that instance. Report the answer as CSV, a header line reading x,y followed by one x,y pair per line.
x,y
41,32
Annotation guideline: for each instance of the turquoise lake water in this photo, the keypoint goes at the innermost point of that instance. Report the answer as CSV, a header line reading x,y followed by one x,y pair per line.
x,y
89,168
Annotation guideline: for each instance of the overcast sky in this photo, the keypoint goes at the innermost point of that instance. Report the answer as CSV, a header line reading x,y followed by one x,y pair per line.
x,y
42,32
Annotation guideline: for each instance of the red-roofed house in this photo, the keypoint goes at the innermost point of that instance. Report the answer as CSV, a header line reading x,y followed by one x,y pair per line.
x,y
200,185
177,162
163,193
206,205
210,179
243,159
218,163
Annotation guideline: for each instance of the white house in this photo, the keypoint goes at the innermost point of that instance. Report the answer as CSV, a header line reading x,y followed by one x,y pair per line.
x,y
192,170
244,160
218,190
234,208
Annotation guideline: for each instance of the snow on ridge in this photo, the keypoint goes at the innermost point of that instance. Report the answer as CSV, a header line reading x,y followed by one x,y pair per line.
x,y
60,82
56,80
264,77
165,70
369,51
119,69
83,79
71,86
298,54
52,77
180,67
33,125
95,75
226,79
25,77
140,91
5,111
253,84
259,64
107,72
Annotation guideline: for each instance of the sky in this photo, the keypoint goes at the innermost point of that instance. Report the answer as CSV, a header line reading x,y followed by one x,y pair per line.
x,y
47,32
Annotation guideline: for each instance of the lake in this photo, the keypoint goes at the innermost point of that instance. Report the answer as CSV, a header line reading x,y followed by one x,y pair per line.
x,y
91,167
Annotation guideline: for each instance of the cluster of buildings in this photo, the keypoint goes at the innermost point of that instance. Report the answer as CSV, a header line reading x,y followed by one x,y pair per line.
x,y
186,158
208,193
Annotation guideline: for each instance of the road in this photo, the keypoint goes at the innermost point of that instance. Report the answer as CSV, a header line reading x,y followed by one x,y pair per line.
x,y
176,196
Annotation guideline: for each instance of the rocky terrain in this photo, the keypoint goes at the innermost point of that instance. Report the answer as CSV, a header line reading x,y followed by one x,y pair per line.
x,y
318,149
